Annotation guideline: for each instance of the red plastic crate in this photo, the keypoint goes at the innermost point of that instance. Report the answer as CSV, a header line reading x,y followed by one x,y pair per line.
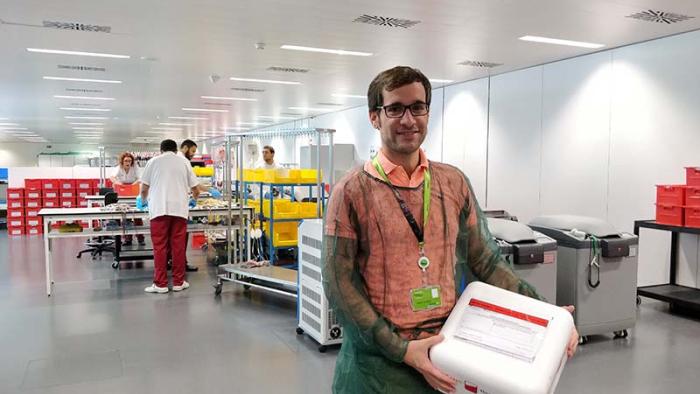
x,y
69,203
670,194
15,231
15,204
14,213
32,203
67,194
67,184
15,193
669,214
32,213
34,230
50,184
50,193
127,190
692,176
33,184
692,217
34,222
108,183
198,240
52,203
84,223
82,203
692,196
82,193
83,184
15,222
94,183
33,193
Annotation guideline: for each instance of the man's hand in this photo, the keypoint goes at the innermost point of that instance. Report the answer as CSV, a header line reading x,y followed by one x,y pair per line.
x,y
417,357
573,340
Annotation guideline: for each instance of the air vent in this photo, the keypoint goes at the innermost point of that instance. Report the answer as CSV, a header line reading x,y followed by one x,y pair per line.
x,y
288,69
331,104
80,68
660,17
248,90
477,63
218,104
77,26
83,90
386,21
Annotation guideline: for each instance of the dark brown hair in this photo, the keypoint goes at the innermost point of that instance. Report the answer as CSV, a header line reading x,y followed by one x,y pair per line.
x,y
271,149
395,78
123,156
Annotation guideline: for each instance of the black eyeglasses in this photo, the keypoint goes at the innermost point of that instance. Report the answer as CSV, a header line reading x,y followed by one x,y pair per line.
x,y
397,110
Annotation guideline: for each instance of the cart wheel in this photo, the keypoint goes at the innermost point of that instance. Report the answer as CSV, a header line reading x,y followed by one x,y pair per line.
x,y
246,288
621,334
115,265
322,349
300,331
583,340
218,287
639,300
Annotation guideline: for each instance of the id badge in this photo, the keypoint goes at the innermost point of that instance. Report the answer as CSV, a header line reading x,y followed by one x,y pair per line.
x,y
426,298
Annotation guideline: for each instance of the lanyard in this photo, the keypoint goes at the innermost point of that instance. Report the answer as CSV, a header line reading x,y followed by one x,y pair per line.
x,y
417,231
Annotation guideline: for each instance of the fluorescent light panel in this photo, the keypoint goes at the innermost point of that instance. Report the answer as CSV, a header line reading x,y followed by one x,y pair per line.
x,y
556,41
77,53
311,109
88,128
357,96
81,80
265,81
228,98
204,110
186,118
86,109
87,124
440,80
12,128
275,117
324,50
84,98
87,117
167,128
175,124
9,124
253,123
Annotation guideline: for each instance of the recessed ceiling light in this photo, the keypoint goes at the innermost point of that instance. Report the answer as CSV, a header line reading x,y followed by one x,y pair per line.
x,y
204,110
167,128
16,132
440,80
157,132
4,119
77,53
228,98
175,124
86,109
265,81
253,123
81,80
84,98
12,128
309,109
9,124
323,50
557,41
87,124
87,117
186,118
357,96
275,117
88,128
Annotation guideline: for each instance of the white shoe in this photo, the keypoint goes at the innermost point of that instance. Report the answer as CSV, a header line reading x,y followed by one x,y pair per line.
x,y
155,289
183,286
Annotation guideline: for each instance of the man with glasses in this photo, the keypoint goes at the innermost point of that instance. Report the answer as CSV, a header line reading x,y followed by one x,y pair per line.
x,y
401,234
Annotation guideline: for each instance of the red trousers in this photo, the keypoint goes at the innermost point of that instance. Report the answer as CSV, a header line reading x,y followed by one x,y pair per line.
x,y
168,234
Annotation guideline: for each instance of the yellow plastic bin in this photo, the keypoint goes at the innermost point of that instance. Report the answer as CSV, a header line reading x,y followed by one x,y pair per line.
x,y
283,209
253,175
204,171
308,175
285,235
309,210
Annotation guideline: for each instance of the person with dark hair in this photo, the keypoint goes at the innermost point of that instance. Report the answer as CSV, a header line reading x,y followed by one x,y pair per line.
x,y
401,234
188,149
268,153
126,174
166,183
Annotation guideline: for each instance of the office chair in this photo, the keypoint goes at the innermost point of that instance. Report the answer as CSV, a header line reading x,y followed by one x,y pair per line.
x,y
99,245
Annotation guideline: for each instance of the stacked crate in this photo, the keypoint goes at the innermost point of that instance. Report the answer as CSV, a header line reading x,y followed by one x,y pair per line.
x,y
679,205
24,204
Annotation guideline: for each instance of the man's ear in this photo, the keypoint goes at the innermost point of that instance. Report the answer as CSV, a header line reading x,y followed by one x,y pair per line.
x,y
374,119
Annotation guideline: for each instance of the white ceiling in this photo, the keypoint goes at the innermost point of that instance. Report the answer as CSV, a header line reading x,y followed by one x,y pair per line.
x,y
176,45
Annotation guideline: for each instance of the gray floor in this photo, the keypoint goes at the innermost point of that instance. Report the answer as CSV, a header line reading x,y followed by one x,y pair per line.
x,y
100,333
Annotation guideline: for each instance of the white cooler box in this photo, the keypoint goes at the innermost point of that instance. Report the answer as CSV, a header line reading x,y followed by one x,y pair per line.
x,y
500,342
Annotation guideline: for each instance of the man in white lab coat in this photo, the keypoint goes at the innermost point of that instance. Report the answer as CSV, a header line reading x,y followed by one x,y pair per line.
x,y
165,184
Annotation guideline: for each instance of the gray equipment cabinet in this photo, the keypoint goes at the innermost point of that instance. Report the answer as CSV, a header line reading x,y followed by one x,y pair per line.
x,y
596,272
532,255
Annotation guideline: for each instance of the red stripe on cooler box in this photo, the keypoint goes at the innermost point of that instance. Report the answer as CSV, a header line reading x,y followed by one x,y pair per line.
x,y
508,312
